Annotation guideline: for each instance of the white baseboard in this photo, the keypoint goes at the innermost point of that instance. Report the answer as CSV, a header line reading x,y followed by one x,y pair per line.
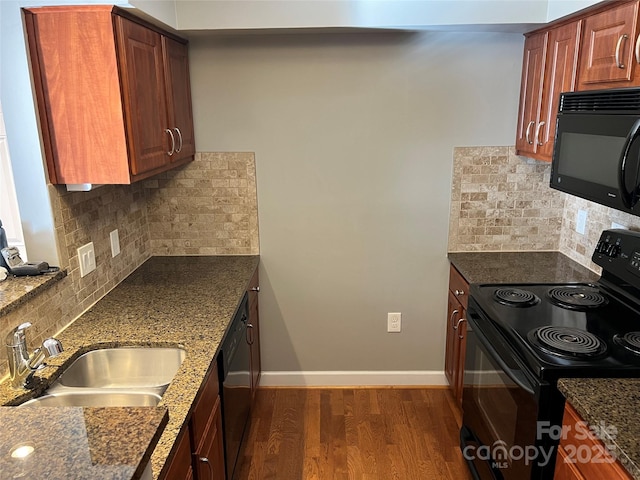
x,y
356,379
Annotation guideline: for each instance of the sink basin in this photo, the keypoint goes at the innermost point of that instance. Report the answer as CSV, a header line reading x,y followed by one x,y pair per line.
x,y
123,368
95,399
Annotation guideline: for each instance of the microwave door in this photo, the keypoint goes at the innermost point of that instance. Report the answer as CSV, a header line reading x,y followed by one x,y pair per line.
x,y
629,170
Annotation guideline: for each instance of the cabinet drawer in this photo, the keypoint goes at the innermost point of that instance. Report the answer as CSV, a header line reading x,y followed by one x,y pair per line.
x,y
587,453
206,400
459,286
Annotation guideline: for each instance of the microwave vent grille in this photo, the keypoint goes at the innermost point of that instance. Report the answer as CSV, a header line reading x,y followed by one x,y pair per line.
x,y
605,101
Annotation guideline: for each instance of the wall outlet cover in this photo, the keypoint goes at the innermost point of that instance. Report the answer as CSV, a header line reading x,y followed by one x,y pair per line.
x,y
394,322
115,243
581,222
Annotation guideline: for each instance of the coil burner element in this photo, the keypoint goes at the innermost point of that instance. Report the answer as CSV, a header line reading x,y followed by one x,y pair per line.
x,y
515,297
577,297
567,342
630,341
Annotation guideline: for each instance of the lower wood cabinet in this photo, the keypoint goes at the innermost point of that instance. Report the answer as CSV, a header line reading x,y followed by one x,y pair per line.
x,y
456,332
180,466
253,332
205,428
582,456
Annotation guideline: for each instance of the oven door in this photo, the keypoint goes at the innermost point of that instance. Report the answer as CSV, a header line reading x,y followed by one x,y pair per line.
x,y
503,406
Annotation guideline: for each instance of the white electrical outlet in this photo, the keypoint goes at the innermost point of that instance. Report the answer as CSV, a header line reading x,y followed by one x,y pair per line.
x,y
581,222
87,259
115,243
394,322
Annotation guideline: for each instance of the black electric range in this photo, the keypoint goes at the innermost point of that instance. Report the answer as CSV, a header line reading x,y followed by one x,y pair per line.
x,y
522,337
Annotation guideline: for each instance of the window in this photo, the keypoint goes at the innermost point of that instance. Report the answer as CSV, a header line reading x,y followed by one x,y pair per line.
x,y
9,213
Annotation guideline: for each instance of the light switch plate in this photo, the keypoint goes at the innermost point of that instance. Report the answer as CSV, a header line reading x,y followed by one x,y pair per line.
x,y
87,259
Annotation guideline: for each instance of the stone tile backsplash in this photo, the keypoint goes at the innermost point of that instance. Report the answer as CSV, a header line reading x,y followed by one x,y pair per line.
x,y
208,207
502,202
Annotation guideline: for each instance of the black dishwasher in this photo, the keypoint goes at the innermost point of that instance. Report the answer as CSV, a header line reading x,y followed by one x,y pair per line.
x,y
235,378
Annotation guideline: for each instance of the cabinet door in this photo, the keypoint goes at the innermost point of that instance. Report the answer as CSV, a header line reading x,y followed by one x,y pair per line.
x,y
459,356
607,49
180,466
208,458
143,93
565,470
535,48
454,313
560,76
253,332
180,115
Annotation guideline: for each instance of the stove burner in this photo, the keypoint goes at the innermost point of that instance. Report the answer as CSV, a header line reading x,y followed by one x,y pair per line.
x,y
577,297
630,341
564,341
515,297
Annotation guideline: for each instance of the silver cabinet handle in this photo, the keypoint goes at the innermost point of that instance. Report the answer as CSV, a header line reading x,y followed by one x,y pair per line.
x,y
459,292
638,49
538,142
250,333
173,142
255,289
206,460
453,314
528,133
179,138
458,326
620,40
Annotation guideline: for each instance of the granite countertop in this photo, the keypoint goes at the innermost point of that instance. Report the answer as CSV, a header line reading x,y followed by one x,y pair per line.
x,y
520,267
610,402
168,301
80,443
14,291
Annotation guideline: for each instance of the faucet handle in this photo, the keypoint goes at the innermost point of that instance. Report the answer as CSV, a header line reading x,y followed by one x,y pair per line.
x,y
53,346
17,336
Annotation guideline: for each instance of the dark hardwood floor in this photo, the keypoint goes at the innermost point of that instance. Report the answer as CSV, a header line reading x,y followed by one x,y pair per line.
x,y
352,434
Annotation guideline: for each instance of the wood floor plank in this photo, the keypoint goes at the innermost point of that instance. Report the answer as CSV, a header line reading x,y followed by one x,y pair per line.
x,y
352,434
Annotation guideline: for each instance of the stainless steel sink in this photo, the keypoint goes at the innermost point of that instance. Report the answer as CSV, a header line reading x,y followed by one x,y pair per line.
x,y
114,377
123,367
96,399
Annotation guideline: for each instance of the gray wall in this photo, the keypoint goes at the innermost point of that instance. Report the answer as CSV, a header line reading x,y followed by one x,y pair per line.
x,y
353,137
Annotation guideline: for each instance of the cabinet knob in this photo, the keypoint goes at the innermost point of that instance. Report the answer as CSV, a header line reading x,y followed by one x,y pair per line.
x,y
459,292
255,289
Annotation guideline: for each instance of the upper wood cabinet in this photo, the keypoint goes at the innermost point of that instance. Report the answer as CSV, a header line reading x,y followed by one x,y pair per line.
x,y
610,48
535,50
549,67
113,94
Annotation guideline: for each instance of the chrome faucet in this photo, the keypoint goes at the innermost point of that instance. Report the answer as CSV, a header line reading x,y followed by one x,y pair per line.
x,y
21,364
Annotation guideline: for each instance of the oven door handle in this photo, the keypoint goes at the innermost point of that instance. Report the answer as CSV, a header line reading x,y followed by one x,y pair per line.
x,y
518,377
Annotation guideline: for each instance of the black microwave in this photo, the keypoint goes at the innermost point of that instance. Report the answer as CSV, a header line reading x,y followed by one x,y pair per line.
x,y
597,148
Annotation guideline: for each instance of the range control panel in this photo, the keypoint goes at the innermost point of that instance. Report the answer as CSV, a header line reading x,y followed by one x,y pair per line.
x,y
618,252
